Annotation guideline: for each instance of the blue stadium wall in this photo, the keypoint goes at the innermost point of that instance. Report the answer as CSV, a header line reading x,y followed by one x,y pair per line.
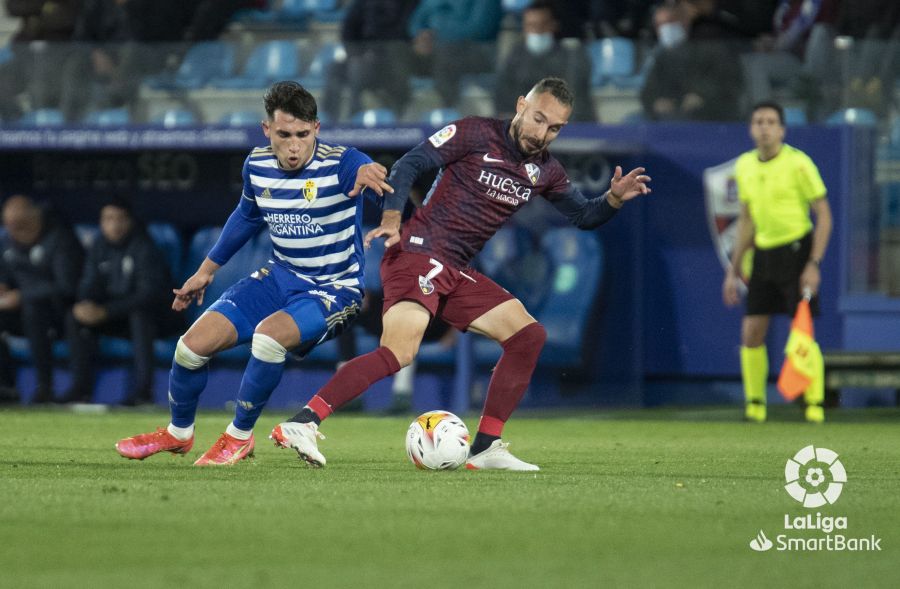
x,y
660,315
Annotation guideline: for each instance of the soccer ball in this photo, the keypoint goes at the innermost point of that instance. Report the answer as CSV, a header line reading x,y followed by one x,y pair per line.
x,y
437,440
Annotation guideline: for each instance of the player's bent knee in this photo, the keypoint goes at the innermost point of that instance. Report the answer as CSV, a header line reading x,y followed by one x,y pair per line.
x,y
187,358
532,336
267,349
404,357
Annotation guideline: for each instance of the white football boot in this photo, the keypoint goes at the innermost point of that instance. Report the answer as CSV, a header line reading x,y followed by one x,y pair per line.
x,y
497,457
302,438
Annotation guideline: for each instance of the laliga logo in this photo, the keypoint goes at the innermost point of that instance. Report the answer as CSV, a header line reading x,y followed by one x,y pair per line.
x,y
761,543
814,493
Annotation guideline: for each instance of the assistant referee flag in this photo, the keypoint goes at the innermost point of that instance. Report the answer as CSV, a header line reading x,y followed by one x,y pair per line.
x,y
803,360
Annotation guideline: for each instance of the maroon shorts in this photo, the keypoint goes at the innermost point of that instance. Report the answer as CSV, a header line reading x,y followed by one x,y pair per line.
x,y
458,298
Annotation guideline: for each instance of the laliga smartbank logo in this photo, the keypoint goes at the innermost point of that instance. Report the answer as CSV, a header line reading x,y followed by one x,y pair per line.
x,y
812,464
815,477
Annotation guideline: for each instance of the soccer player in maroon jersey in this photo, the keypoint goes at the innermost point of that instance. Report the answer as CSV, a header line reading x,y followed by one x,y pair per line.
x,y
490,168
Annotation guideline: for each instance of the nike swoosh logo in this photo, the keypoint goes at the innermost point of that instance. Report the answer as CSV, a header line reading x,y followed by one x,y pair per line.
x,y
488,158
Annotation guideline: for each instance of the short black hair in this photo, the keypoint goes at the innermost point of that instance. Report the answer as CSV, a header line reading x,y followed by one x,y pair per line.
x,y
292,98
544,5
558,88
769,104
118,202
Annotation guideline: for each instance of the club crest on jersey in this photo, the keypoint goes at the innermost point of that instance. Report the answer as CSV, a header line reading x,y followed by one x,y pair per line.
x,y
310,190
443,136
533,172
426,285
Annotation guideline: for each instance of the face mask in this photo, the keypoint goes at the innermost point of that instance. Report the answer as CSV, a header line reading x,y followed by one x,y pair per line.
x,y
671,34
539,43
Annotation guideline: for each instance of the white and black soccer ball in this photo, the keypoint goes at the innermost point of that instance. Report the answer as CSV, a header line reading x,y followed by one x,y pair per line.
x,y
437,440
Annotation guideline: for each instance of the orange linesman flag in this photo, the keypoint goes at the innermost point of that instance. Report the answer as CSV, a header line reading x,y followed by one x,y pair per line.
x,y
803,358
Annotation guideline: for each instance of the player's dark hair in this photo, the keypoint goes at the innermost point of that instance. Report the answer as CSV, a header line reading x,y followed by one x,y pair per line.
x,y
292,98
769,104
558,88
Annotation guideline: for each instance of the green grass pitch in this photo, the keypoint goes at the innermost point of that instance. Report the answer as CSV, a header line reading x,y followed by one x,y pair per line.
x,y
624,499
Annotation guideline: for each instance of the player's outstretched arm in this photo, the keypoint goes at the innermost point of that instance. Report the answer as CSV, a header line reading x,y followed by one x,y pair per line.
x,y
624,188
389,229
195,286
372,176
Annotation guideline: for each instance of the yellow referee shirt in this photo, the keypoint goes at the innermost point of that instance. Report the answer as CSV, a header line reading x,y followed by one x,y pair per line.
x,y
778,193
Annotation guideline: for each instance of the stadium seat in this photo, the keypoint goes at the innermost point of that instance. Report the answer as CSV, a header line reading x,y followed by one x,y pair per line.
x,y
202,63
242,118
252,256
325,11
439,117
269,62
176,117
109,117
511,259
794,115
576,260
375,117
86,233
327,54
43,117
515,6
895,133
613,61
168,240
853,116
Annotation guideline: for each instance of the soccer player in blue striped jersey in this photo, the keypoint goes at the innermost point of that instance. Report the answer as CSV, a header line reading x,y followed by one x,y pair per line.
x,y
306,192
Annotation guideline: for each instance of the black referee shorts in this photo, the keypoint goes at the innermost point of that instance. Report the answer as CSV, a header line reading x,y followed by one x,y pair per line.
x,y
775,282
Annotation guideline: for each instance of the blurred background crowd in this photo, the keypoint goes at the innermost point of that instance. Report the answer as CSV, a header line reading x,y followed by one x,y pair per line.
x,y
377,62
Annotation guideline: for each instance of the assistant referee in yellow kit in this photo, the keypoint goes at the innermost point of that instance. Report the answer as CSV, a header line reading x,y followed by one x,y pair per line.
x,y
777,185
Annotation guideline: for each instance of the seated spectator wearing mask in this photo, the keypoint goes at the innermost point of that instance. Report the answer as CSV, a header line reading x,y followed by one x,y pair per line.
x,y
540,55
695,73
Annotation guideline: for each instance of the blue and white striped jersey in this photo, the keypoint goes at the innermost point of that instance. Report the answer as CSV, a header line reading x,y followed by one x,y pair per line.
x,y
315,227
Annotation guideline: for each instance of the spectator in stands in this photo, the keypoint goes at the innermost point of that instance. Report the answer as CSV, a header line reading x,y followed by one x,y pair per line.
x,y
32,73
696,73
876,62
39,270
120,42
615,18
778,186
780,57
123,293
374,34
455,38
541,55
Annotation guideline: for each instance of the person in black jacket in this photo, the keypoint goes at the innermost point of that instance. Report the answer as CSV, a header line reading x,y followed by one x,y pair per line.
x,y
540,55
378,58
39,269
123,293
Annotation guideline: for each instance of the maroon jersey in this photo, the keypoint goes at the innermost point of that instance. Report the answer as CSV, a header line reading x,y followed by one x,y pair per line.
x,y
484,180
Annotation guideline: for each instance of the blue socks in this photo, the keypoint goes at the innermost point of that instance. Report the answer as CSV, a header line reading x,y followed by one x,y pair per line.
x,y
260,379
185,386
